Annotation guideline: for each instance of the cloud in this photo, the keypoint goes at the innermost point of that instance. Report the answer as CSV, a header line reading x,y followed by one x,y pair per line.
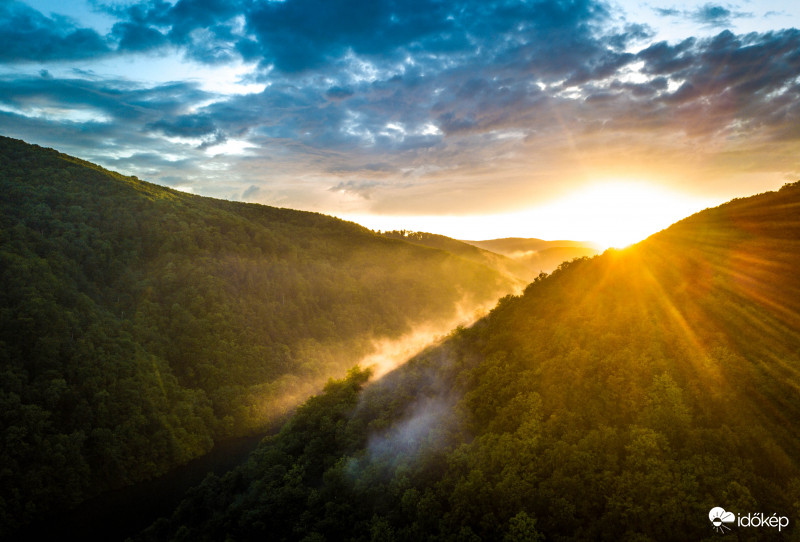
x,y
304,34
26,35
667,12
194,126
362,189
662,58
117,123
113,99
631,33
296,36
747,69
408,106
251,192
372,168
207,31
712,15
338,93
137,37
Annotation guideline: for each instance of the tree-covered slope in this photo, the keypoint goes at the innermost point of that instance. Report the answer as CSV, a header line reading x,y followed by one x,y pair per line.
x,y
620,398
468,251
139,324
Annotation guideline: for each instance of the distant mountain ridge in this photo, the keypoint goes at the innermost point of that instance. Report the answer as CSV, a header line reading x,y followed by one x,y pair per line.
x,y
509,245
466,250
141,324
520,258
537,255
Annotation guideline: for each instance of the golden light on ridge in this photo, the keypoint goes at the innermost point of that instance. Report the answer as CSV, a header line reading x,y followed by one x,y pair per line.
x,y
616,213
606,214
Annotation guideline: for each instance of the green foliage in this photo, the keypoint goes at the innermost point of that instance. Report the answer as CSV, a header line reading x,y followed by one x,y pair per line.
x,y
139,325
619,398
521,273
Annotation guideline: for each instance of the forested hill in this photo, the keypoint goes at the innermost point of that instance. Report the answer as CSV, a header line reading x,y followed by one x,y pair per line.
x,y
510,245
140,324
468,251
622,397
537,255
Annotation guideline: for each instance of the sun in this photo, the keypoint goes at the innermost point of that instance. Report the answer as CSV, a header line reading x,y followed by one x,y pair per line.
x,y
617,213
608,213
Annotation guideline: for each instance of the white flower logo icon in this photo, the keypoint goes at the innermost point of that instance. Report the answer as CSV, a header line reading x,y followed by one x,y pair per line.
x,y
719,517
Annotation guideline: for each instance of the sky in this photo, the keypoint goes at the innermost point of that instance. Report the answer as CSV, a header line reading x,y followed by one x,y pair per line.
x,y
579,119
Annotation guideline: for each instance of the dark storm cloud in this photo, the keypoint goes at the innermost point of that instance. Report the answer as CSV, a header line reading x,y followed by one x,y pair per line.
x,y
27,35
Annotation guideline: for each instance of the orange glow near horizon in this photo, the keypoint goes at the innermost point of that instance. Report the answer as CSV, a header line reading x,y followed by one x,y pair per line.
x,y
618,213
605,214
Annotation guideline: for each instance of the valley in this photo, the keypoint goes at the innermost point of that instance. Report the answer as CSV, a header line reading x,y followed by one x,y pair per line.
x,y
142,325
383,389
386,271
655,381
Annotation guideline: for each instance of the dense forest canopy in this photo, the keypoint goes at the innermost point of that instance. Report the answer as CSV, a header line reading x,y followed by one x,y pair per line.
x,y
139,324
621,397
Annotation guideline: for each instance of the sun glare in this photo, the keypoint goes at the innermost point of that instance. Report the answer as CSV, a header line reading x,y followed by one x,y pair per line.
x,y
617,214
605,214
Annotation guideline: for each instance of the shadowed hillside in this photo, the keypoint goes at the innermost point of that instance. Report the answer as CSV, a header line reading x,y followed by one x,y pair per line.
x,y
141,324
622,397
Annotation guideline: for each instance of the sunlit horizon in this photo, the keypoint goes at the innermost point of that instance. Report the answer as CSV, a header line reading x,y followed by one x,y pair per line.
x,y
472,125
606,214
